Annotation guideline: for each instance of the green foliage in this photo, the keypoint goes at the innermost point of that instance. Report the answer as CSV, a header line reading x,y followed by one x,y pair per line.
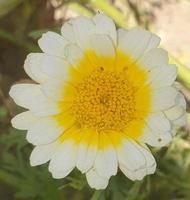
x,y
28,182
3,112
36,34
7,5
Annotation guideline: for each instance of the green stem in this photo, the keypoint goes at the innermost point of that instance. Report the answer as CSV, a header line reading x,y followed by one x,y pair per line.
x,y
96,195
110,10
5,35
8,178
183,72
80,9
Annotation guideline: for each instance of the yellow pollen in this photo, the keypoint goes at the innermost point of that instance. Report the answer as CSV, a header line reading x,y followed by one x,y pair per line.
x,y
104,100
106,95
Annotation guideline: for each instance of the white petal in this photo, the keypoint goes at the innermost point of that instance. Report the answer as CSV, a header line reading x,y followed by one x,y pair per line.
x,y
150,161
30,96
83,28
24,120
44,131
133,175
52,44
20,93
182,121
177,114
156,138
174,113
178,110
180,101
67,31
105,25
129,155
102,45
43,153
85,157
158,122
154,58
162,76
163,98
135,161
32,67
46,65
54,89
95,181
106,162
120,34
137,41
64,160
73,54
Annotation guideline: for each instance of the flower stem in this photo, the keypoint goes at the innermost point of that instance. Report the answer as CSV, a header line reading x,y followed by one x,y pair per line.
x,y
110,10
183,72
188,122
80,9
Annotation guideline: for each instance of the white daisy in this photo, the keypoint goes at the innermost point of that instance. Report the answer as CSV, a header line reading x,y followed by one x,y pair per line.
x,y
100,96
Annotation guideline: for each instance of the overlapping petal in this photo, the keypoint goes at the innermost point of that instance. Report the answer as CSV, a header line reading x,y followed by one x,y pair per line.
x,y
135,161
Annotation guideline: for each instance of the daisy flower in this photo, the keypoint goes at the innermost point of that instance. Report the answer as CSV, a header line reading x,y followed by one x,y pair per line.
x,y
101,95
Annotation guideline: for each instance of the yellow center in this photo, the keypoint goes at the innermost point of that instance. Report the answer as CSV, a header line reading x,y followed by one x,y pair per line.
x,y
105,95
104,101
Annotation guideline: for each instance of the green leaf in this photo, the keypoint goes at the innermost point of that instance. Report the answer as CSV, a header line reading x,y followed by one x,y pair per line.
x,y
3,112
133,193
36,34
96,195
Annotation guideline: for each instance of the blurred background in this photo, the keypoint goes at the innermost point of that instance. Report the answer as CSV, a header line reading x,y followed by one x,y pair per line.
x,y
22,22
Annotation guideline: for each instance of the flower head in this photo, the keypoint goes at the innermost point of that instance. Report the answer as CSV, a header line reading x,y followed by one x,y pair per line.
x,y
100,96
